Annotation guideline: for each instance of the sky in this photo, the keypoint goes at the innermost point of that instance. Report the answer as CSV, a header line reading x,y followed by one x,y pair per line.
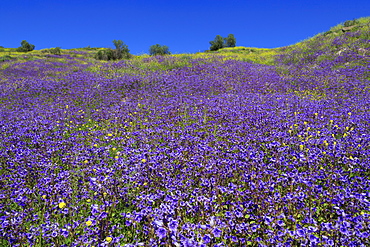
x,y
183,26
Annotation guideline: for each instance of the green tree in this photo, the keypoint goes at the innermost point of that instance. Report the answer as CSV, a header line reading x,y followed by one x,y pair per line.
x,y
217,43
159,50
230,41
25,47
120,52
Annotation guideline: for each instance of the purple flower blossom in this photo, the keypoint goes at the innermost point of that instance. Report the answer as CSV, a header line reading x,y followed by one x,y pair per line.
x,y
216,232
300,233
207,238
172,225
161,232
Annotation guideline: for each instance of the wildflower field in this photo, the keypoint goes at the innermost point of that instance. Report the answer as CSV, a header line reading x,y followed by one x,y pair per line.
x,y
189,150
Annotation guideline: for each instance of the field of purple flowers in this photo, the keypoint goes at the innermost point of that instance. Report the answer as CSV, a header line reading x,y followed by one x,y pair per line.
x,y
214,153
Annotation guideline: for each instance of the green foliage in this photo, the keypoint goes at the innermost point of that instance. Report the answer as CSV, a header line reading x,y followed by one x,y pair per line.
x,y
104,55
217,43
54,51
121,52
230,41
25,47
159,50
350,23
327,33
5,58
220,42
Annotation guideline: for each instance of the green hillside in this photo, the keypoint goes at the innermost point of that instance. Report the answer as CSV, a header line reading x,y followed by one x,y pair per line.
x,y
349,36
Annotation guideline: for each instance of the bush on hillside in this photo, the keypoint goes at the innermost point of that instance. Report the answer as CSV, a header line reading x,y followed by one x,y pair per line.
x,y
121,52
54,51
159,50
25,47
350,23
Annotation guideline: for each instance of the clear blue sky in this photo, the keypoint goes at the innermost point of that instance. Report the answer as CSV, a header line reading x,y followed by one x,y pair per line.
x,y
184,26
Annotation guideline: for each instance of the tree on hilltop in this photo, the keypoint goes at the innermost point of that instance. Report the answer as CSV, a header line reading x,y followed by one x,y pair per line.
x,y
25,47
230,41
217,43
159,50
220,42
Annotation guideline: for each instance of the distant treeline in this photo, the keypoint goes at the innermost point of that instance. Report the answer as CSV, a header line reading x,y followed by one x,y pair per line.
x,y
121,50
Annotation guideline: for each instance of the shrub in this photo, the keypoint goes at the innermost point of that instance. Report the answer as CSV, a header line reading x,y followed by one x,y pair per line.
x,y
25,47
120,52
350,23
55,51
159,50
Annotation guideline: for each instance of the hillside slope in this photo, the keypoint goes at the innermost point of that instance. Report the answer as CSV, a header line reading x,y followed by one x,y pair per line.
x,y
188,150
348,38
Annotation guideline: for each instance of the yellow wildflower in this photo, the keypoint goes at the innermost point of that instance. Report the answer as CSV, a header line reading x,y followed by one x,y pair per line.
x,y
108,239
89,223
62,205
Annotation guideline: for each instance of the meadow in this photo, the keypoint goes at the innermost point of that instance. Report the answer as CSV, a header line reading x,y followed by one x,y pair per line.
x,y
239,147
